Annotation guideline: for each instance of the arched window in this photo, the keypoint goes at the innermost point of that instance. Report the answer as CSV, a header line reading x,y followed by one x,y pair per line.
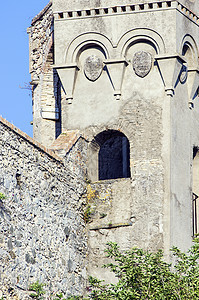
x,y
114,155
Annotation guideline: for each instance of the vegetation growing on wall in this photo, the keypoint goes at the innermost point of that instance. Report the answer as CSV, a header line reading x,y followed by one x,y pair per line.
x,y
37,289
91,197
2,196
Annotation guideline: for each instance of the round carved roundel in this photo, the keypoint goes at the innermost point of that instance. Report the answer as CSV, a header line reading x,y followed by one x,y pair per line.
x,y
142,62
93,67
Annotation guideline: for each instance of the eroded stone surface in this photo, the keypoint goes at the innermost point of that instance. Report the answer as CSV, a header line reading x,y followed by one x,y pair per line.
x,y
142,62
93,67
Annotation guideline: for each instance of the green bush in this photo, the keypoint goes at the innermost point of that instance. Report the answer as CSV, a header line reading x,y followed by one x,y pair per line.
x,y
145,275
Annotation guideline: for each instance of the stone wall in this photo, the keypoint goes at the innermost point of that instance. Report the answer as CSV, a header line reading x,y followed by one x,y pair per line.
x,y
42,232
40,34
44,80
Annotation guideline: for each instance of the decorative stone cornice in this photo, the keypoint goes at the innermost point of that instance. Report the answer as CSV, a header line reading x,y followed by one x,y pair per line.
x,y
67,74
127,9
116,71
170,66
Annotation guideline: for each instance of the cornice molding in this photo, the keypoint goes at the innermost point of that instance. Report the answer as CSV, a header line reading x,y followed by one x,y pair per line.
x,y
126,9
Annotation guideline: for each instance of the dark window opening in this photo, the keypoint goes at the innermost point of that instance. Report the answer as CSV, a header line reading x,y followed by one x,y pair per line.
x,y
195,213
195,191
60,15
114,155
141,6
195,150
169,4
88,12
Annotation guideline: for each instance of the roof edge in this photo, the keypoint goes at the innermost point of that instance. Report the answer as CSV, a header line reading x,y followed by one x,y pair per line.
x,y
41,13
30,140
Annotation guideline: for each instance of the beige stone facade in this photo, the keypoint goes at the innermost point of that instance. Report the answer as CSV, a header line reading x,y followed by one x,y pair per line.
x,y
124,75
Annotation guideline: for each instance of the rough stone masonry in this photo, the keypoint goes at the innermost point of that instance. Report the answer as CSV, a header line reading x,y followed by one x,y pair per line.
x,y
42,232
115,97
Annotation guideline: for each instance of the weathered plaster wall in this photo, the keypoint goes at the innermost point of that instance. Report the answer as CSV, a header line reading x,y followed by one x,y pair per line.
x,y
42,231
115,31
138,115
123,211
156,123
184,134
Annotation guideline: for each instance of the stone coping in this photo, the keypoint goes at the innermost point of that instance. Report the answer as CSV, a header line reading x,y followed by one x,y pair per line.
x,y
41,13
126,9
65,140
30,140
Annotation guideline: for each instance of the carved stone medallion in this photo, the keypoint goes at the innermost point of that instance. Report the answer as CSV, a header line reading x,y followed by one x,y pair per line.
x,y
142,62
93,67
183,74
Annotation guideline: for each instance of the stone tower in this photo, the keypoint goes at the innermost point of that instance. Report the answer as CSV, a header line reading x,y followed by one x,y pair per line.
x,y
124,76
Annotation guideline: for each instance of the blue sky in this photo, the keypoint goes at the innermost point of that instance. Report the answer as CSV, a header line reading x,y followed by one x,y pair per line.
x,y
15,102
